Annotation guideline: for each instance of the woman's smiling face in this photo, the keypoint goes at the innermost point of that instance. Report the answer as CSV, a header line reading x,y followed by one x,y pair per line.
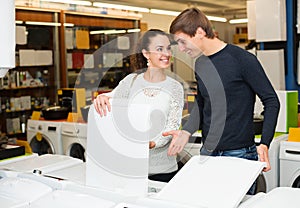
x,y
159,52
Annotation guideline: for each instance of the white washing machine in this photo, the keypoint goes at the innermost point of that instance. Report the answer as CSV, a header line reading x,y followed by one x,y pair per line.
x,y
74,137
271,177
44,136
267,180
290,164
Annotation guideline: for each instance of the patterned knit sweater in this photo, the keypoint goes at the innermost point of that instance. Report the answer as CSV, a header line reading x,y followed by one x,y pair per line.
x,y
166,101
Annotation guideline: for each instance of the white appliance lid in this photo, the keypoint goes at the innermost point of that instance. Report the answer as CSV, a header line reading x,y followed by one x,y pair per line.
x,y
212,182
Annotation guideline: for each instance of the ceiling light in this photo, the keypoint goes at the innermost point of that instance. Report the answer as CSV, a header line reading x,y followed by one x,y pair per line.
x,y
133,30
174,13
165,12
68,24
217,19
43,23
19,22
237,21
107,32
77,2
122,7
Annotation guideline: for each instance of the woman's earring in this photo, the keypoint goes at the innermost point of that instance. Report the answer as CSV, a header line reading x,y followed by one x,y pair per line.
x,y
148,62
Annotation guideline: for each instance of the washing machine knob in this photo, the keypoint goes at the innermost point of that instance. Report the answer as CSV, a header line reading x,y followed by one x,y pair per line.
x,y
40,127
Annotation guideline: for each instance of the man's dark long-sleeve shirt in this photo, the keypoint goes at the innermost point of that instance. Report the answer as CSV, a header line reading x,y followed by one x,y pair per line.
x,y
228,82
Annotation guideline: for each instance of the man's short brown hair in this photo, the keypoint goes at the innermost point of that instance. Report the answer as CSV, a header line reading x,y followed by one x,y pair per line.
x,y
189,21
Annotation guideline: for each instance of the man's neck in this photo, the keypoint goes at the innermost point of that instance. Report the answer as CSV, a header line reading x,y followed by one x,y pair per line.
x,y
212,46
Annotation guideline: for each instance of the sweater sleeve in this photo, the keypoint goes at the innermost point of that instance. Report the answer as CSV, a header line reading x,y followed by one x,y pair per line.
x,y
255,76
174,116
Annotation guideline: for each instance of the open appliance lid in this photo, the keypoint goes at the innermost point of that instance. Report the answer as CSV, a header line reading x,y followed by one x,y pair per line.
x,y
212,182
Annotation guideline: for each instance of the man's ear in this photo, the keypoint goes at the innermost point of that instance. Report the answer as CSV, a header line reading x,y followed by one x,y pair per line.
x,y
200,32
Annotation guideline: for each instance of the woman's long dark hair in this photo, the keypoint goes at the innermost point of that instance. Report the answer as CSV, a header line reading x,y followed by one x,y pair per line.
x,y
137,59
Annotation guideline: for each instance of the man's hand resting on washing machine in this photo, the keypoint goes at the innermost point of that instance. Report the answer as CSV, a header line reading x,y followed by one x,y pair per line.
x,y
263,154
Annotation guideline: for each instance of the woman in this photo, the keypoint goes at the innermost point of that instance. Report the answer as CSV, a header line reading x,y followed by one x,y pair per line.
x,y
163,93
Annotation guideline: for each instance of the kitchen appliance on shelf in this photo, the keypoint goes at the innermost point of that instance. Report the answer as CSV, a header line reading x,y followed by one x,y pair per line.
x,y
73,98
74,139
44,136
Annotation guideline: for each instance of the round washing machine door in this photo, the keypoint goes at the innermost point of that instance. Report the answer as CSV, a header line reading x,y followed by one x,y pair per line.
x,y
76,150
296,183
41,145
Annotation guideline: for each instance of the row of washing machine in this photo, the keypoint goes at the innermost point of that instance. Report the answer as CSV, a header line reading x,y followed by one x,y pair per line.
x,y
57,137
68,138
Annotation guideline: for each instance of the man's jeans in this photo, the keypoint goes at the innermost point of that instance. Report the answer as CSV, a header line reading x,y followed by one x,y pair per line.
x,y
249,153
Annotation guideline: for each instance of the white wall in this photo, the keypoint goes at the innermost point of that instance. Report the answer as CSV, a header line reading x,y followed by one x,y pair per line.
x,y
156,21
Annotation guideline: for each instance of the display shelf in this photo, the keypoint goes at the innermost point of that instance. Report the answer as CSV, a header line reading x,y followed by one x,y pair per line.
x,y
32,83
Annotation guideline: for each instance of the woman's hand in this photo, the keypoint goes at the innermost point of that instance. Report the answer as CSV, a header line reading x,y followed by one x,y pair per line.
x,y
101,104
152,144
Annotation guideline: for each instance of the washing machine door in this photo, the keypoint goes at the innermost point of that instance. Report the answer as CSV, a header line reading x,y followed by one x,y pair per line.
x,y
40,144
77,151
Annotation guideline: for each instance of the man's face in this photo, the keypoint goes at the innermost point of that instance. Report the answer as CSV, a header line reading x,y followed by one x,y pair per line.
x,y
187,44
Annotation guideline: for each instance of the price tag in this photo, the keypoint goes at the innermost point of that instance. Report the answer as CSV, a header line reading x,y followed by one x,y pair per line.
x,y
191,98
36,115
72,117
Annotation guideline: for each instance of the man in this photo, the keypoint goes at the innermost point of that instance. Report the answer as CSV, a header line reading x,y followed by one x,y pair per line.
x,y
228,80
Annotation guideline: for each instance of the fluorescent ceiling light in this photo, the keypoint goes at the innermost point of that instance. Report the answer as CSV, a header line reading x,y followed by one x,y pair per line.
x,y
217,19
165,12
68,24
19,22
122,7
107,32
47,23
237,21
174,13
43,23
77,2
133,30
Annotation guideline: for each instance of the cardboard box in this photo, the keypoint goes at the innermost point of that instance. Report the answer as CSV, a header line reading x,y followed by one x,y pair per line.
x,y
288,113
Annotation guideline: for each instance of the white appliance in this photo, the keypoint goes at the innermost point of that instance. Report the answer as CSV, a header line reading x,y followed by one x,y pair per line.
x,y
111,141
277,198
74,137
9,173
210,183
15,192
8,41
62,199
42,164
271,177
44,136
290,164
267,180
